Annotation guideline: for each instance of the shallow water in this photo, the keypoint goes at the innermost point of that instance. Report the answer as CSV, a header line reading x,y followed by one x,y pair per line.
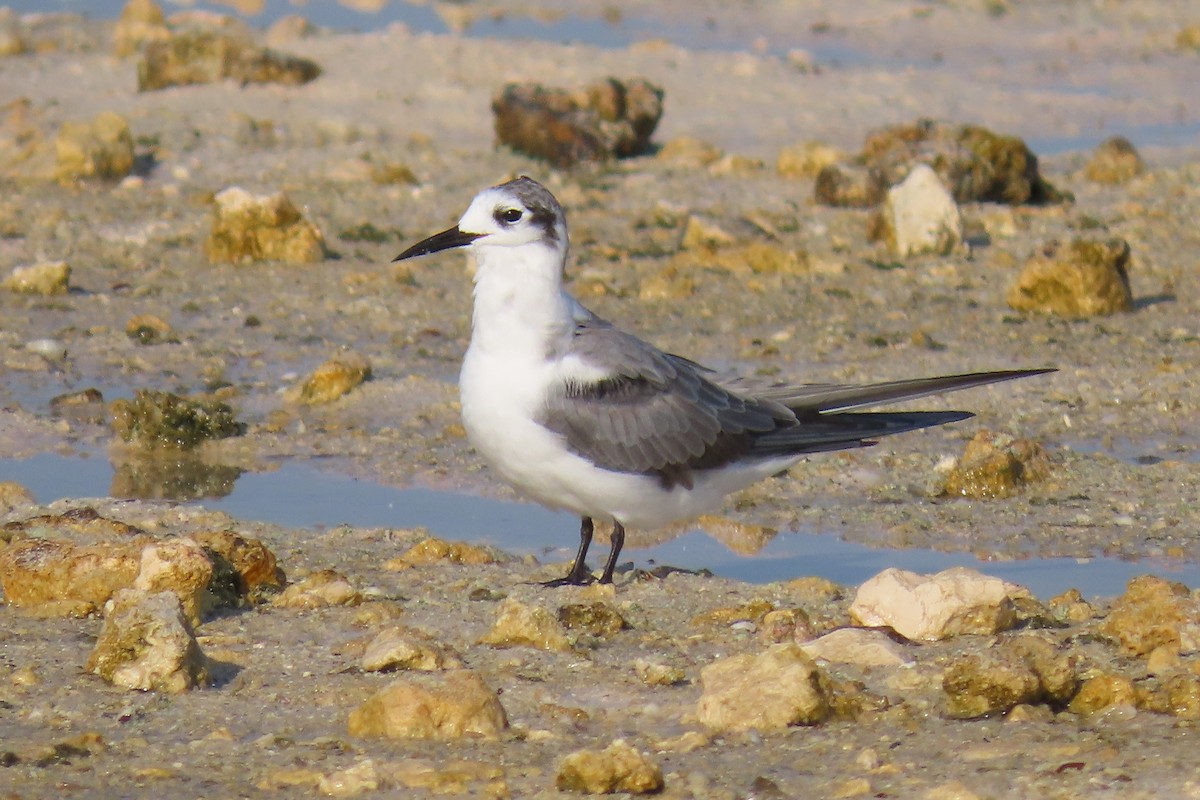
x,y
300,495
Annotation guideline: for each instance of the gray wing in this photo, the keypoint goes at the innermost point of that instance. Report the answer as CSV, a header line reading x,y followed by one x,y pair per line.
x,y
655,413
660,414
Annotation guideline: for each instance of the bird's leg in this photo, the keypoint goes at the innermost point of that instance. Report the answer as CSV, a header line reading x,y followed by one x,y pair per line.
x,y
618,540
579,574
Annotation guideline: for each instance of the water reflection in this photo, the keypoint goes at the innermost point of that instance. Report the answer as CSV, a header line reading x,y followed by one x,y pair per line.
x,y
300,496
182,478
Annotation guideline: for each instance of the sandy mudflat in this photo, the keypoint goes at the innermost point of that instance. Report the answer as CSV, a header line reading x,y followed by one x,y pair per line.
x,y
1120,417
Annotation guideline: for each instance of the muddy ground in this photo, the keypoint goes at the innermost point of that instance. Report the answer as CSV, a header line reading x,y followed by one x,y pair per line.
x,y
1119,417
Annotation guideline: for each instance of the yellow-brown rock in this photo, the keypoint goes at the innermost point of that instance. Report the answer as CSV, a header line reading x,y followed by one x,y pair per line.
x,y
447,705
1084,278
521,625
991,683
333,379
433,550
401,648
245,567
321,589
688,151
598,618
1115,160
101,148
141,21
248,228
147,644
148,329
1154,613
807,159
766,692
12,496
1101,692
13,41
996,465
44,278
616,768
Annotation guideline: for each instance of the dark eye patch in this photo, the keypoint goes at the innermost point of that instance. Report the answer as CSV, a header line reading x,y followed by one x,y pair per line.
x,y
508,215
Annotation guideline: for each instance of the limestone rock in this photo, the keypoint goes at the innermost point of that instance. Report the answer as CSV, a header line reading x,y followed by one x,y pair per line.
x,y
146,643
1154,613
101,148
996,465
209,56
605,120
433,550
141,21
766,692
920,216
616,768
44,277
931,607
1115,160
321,589
13,495
13,39
653,673
248,228
688,151
521,625
446,705
179,566
401,648
864,648
331,380
1084,278
161,420
807,159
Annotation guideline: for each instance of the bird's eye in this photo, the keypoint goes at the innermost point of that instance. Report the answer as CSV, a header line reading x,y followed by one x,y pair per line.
x,y
510,215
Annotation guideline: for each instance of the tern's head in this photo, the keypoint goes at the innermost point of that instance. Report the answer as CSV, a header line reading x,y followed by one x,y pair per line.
x,y
519,213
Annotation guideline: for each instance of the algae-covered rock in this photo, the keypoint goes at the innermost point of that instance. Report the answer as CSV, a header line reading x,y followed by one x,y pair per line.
x,y
44,278
975,164
1083,278
208,56
1154,613
1115,160
597,618
99,148
605,120
616,768
996,465
141,21
155,419
249,228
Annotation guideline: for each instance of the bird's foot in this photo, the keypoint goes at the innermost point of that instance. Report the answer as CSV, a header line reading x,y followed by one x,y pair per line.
x,y
576,577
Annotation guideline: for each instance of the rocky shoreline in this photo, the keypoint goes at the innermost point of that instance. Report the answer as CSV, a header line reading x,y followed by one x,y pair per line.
x,y
196,278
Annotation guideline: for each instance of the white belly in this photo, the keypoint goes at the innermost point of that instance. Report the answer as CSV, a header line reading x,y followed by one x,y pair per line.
x,y
501,400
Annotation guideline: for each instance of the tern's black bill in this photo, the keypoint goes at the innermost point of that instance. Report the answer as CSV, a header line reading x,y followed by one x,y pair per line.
x,y
439,241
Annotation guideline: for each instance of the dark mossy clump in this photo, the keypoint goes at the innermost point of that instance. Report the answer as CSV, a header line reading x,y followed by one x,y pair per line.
x,y
976,164
163,420
194,57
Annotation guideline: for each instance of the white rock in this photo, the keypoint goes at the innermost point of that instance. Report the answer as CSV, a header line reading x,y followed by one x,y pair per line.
x,y
931,607
865,648
922,215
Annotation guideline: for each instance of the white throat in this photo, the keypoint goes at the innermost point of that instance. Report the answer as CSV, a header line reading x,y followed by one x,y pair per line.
x,y
520,304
